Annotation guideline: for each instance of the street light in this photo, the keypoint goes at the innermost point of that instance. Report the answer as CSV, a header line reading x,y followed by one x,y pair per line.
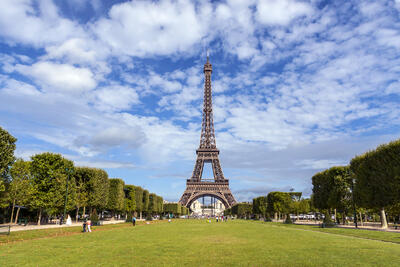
x,y
353,181
66,194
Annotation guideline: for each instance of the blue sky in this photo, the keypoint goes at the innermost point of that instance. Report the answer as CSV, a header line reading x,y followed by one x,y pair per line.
x,y
299,86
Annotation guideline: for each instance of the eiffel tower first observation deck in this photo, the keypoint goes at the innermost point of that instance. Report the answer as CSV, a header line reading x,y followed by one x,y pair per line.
x,y
207,152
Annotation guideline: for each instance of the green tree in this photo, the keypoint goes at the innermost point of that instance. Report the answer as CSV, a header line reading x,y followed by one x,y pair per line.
x,y
82,175
377,178
92,189
152,203
50,174
130,199
172,208
7,148
20,189
139,200
116,196
279,202
160,205
98,189
145,201
260,205
332,189
242,210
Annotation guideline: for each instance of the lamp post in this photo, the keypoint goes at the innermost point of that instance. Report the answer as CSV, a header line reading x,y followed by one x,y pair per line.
x,y
353,181
66,193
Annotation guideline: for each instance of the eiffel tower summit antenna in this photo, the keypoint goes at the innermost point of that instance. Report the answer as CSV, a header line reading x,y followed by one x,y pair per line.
x,y
207,152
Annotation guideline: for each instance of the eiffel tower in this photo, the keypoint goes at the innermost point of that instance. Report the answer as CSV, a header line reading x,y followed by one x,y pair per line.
x,y
207,152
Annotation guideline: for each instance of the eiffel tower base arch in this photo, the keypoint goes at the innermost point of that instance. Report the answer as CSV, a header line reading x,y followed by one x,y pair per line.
x,y
219,190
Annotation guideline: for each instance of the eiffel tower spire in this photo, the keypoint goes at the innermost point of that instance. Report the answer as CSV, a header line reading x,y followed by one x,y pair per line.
x,y
207,139
207,152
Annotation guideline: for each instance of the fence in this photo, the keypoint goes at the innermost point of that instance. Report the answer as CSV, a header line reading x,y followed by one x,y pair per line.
x,y
5,229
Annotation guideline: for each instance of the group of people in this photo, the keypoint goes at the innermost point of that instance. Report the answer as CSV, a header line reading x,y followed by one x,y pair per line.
x,y
87,226
221,218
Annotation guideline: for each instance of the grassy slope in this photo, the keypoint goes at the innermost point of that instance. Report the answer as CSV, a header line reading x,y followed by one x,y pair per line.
x,y
198,243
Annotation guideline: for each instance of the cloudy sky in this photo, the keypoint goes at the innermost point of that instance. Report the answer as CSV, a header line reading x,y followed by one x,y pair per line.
x,y
298,86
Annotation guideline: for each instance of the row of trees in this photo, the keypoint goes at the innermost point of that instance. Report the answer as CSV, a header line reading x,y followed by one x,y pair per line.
x,y
275,204
49,183
369,184
175,209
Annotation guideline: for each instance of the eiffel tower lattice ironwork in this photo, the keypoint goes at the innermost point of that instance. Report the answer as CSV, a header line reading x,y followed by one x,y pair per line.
x,y
207,152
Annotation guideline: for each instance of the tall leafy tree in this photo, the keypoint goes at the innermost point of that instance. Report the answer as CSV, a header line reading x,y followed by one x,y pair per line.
x,y
145,201
130,199
242,210
377,178
260,205
279,202
172,208
20,189
116,197
7,148
152,203
139,200
82,175
159,205
50,174
98,189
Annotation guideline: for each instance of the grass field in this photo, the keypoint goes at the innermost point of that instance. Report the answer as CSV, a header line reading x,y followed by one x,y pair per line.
x,y
198,243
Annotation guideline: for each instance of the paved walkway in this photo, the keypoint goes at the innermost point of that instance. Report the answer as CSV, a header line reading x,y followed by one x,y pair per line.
x,y
15,228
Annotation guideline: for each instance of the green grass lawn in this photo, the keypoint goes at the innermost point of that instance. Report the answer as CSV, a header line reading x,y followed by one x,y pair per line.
x,y
198,243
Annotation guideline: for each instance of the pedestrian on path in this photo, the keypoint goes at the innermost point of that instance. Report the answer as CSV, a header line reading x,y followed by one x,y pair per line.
x,y
134,221
84,226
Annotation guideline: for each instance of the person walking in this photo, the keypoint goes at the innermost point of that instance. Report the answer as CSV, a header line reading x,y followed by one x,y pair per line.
x,y
84,226
89,223
134,221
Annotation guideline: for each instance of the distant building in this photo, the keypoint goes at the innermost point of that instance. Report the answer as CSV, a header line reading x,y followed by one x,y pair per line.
x,y
216,209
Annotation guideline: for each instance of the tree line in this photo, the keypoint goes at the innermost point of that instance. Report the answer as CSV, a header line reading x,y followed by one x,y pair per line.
x,y
276,205
49,183
369,185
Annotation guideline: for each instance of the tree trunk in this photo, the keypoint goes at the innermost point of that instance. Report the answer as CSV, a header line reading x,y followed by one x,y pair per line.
x,y
39,216
140,215
384,224
84,212
275,216
16,216
361,219
77,214
12,212
279,215
335,215
344,218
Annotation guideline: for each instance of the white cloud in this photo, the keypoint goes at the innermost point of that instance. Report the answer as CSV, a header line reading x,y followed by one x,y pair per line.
x,y
140,28
117,136
59,77
14,87
21,21
281,12
115,98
